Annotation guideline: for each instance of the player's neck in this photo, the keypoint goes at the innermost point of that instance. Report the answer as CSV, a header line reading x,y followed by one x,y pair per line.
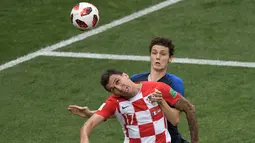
x,y
156,75
138,87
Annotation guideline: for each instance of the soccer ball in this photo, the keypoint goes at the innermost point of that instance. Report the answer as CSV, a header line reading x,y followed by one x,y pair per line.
x,y
84,16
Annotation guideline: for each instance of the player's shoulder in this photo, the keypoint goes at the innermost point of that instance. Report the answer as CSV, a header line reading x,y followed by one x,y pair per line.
x,y
149,83
114,98
173,78
152,84
140,77
148,87
141,74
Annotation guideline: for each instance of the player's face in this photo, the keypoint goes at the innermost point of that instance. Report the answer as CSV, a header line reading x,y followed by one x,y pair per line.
x,y
159,57
120,85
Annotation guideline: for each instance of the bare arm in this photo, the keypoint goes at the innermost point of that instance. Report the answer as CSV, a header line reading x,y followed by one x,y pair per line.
x,y
83,112
86,129
174,98
176,113
184,105
171,114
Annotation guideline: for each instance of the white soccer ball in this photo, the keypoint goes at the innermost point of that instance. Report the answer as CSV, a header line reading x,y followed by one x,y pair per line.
x,y
84,16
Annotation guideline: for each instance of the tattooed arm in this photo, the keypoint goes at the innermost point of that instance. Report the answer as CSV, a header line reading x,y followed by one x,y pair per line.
x,y
184,105
175,99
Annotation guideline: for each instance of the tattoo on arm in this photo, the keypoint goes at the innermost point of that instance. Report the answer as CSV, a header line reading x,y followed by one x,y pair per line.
x,y
184,105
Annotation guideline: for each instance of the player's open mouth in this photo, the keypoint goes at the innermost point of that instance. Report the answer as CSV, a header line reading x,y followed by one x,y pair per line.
x,y
157,63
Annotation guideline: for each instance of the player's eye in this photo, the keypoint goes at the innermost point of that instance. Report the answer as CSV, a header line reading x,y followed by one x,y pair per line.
x,y
117,82
153,53
163,53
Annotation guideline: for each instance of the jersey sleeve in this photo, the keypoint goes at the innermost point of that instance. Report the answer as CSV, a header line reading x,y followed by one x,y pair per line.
x,y
139,77
168,93
108,108
135,78
178,86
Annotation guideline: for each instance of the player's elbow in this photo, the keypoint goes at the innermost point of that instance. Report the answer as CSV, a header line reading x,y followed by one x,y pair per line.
x,y
187,107
177,121
192,106
190,109
174,122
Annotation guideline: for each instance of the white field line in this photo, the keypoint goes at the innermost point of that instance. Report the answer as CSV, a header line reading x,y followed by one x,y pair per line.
x,y
89,33
146,58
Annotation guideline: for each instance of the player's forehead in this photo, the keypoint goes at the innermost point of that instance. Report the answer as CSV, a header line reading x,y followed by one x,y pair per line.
x,y
159,48
114,76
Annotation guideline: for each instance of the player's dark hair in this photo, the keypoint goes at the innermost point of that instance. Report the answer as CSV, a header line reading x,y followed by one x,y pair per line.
x,y
106,76
163,42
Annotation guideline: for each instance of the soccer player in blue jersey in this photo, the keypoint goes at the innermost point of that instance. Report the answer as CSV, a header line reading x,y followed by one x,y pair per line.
x,y
161,53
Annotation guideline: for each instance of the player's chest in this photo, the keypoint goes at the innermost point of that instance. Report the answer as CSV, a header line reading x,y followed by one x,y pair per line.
x,y
140,104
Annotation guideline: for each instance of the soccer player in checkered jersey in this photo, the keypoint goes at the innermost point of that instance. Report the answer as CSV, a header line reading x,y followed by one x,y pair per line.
x,y
161,53
143,120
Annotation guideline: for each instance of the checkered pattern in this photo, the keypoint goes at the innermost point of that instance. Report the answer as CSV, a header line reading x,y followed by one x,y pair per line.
x,y
142,121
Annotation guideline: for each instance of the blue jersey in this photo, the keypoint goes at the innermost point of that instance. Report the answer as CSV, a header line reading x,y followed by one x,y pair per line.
x,y
177,84
170,79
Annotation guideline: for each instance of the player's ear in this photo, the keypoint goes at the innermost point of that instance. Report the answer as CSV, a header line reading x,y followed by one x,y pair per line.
x,y
124,74
170,59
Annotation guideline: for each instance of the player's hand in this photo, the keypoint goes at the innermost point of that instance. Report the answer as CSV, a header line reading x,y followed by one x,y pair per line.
x,y
83,112
157,96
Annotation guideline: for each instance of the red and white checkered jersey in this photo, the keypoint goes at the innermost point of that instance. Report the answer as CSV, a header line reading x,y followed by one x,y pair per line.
x,y
141,120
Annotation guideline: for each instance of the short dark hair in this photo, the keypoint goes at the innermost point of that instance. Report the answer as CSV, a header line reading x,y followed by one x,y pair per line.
x,y
163,42
106,76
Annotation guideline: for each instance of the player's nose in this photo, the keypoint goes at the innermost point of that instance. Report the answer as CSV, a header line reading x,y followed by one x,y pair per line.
x,y
158,56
